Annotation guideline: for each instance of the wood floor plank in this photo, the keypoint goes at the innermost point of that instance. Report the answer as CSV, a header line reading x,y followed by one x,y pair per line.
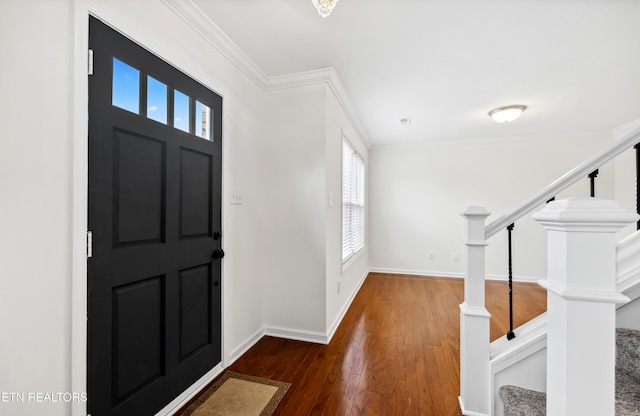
x,y
396,352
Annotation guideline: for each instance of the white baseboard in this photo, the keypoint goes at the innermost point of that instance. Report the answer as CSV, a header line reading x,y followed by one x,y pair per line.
x,y
411,272
274,331
191,392
244,347
336,323
457,275
296,334
522,279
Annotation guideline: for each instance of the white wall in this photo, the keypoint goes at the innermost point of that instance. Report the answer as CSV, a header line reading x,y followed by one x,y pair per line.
x,y
292,214
302,165
35,206
338,126
417,192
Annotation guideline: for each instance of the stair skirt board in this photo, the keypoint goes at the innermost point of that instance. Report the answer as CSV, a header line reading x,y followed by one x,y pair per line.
x,y
521,361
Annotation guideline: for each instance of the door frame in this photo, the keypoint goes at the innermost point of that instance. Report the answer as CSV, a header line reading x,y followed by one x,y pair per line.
x,y
78,204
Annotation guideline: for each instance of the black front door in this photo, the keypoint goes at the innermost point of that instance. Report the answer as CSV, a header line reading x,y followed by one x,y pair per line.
x,y
154,316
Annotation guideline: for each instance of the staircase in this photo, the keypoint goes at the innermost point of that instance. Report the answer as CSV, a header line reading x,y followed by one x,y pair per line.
x,y
589,280
519,401
522,361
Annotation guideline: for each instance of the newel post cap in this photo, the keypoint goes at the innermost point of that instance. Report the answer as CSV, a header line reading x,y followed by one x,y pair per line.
x,y
476,212
584,214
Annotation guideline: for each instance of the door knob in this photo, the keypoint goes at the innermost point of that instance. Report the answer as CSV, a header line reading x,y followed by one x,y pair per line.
x,y
217,254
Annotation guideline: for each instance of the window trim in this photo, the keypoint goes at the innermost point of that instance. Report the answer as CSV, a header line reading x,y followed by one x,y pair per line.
x,y
360,164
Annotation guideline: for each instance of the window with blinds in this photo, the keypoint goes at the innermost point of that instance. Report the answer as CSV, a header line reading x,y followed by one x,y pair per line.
x,y
352,202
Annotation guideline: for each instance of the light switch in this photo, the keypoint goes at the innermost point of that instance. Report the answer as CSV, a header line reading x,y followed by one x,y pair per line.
x,y
235,197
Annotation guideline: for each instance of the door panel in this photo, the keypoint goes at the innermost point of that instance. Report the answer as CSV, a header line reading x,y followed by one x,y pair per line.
x,y
138,356
154,293
195,197
195,313
138,188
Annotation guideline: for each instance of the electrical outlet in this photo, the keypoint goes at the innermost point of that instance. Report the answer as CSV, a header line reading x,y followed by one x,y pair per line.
x,y
338,286
455,256
432,255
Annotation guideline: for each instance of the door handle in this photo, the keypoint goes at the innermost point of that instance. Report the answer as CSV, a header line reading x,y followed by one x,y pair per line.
x,y
217,254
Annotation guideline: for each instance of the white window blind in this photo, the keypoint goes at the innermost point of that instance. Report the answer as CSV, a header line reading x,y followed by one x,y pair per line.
x,y
352,202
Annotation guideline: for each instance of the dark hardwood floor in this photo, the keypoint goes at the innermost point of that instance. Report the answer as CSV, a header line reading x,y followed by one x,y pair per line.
x,y
396,351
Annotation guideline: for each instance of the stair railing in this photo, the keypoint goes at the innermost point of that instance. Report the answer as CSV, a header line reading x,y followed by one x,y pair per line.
x,y
574,175
592,186
475,397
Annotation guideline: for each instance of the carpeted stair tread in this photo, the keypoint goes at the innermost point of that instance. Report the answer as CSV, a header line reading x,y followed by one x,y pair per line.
x,y
628,351
627,394
627,372
519,401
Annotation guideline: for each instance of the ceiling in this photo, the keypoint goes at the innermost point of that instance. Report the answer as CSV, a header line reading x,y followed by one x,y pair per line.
x,y
446,63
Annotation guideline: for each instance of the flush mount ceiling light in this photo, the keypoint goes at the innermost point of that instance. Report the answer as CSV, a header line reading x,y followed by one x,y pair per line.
x,y
324,6
507,114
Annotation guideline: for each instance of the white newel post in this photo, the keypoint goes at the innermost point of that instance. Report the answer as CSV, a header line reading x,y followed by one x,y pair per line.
x,y
475,397
581,304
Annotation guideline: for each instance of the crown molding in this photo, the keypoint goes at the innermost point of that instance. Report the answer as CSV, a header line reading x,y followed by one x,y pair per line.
x,y
327,76
300,79
343,99
144,40
205,27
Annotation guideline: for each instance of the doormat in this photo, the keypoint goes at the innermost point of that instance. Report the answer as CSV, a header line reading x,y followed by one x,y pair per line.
x,y
237,394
